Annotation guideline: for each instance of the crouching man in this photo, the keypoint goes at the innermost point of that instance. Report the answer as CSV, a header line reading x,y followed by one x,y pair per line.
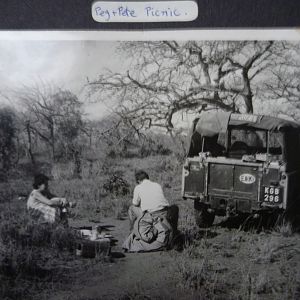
x,y
149,217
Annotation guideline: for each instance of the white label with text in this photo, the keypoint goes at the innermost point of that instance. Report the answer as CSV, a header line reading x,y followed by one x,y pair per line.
x,y
247,178
144,11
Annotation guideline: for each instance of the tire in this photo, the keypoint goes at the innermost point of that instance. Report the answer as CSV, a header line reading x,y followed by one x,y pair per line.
x,y
203,218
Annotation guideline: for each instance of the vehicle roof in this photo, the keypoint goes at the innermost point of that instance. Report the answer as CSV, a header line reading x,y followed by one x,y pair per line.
x,y
210,123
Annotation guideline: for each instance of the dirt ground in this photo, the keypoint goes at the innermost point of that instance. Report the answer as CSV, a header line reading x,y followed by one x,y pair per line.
x,y
239,266
128,276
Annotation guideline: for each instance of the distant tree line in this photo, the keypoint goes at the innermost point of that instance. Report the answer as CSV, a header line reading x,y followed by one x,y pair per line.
x,y
47,121
49,125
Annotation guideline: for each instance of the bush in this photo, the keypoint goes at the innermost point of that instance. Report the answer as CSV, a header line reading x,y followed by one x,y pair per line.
x,y
14,189
26,249
6,193
21,262
28,235
117,185
63,238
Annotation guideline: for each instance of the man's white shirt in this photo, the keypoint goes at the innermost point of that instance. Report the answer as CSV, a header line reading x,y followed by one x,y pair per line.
x,y
149,196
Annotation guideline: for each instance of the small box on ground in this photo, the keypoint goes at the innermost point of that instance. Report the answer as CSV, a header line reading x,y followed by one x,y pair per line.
x,y
91,249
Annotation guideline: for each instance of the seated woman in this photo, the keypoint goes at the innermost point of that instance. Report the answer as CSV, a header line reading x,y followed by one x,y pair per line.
x,y
42,205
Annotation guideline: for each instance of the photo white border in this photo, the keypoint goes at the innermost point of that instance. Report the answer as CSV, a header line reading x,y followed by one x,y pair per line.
x,y
205,34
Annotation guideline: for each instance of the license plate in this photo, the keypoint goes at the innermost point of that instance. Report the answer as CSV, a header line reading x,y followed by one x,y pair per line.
x,y
272,195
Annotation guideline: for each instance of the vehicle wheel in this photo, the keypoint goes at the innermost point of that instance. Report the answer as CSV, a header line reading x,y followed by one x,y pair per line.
x,y
203,218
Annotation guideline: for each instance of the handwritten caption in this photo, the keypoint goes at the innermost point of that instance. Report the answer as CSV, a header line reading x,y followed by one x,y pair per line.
x,y
158,11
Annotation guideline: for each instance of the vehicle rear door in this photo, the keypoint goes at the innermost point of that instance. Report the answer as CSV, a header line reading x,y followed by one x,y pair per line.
x,y
233,179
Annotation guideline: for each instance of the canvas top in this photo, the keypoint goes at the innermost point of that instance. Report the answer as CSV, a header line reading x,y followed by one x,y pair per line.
x,y
211,123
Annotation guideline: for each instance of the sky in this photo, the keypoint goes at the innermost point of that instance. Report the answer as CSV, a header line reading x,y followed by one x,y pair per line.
x,y
66,64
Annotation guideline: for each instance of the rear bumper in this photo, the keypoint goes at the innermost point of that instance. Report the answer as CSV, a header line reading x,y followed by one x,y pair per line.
x,y
222,206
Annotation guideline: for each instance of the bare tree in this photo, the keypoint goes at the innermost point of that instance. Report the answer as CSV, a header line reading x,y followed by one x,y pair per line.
x,y
169,77
53,115
282,87
29,141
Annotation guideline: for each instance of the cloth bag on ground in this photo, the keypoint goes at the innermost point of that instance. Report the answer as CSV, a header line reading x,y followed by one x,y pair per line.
x,y
150,233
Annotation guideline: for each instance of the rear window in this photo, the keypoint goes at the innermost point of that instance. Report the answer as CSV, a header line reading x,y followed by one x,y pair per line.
x,y
241,142
249,141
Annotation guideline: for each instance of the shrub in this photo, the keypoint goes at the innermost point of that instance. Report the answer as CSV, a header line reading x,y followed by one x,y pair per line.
x,y
63,238
33,235
26,250
14,188
117,185
21,262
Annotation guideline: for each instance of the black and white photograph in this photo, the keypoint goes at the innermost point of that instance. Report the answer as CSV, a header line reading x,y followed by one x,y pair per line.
x,y
137,169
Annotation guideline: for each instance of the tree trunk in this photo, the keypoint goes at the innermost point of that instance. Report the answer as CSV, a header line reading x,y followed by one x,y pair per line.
x,y
52,140
247,93
30,143
18,150
77,163
249,104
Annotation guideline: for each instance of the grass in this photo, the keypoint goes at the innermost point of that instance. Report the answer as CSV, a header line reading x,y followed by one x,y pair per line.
x,y
32,257
216,263
285,229
223,263
203,270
